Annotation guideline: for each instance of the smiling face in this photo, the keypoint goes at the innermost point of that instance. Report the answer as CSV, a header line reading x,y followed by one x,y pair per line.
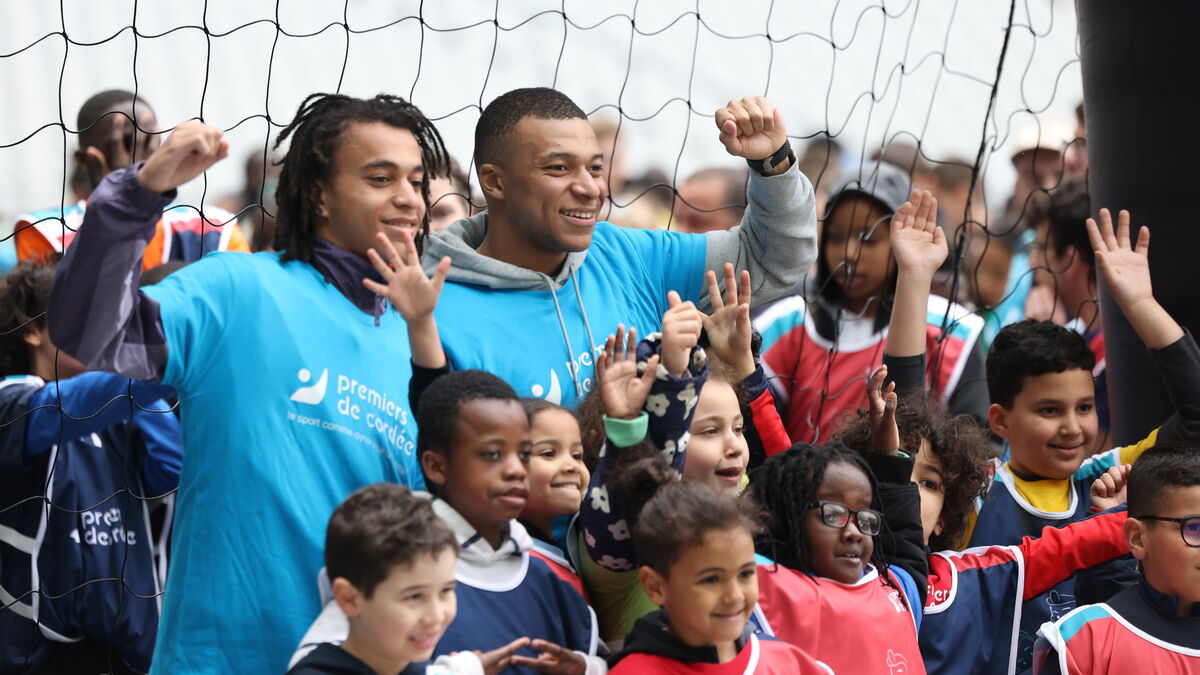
x,y
482,475
710,592
406,614
557,474
549,188
374,186
840,554
717,453
857,250
1051,424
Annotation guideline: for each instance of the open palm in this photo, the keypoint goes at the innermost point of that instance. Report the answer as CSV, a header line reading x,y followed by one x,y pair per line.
x,y
622,389
917,242
412,293
1125,266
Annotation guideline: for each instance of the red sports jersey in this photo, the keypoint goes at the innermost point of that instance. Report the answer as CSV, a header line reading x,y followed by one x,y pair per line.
x,y
762,657
820,380
859,629
1098,639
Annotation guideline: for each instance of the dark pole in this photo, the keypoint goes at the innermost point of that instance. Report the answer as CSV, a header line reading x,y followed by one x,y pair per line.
x,y
1141,64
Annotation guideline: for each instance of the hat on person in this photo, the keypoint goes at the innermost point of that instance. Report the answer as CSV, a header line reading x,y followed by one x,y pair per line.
x,y
885,183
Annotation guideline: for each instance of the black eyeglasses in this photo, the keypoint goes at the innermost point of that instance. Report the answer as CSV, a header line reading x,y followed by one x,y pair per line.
x,y
1189,527
837,515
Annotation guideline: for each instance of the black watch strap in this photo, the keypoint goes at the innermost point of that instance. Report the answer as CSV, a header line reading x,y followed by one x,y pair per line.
x,y
766,166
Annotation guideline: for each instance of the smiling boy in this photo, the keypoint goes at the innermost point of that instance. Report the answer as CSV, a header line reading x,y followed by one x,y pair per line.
x,y
474,446
258,486
542,272
1154,626
1043,404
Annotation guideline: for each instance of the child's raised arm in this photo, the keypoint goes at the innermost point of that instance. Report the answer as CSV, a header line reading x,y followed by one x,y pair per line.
x,y
728,327
919,247
412,294
1125,268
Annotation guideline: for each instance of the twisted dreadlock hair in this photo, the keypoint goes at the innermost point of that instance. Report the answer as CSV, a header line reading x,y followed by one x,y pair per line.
x,y
317,132
786,484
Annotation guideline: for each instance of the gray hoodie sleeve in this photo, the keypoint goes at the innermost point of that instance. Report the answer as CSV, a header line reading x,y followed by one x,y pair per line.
x,y
777,240
97,314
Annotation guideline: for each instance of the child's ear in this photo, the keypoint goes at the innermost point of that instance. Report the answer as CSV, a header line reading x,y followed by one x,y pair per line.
x,y
1135,537
998,420
654,585
938,527
434,465
491,181
34,336
347,597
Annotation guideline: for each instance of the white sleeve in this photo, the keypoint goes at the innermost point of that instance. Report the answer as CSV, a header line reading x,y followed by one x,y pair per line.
x,y
331,626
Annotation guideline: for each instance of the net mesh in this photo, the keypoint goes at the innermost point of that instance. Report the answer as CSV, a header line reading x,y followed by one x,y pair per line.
x,y
949,91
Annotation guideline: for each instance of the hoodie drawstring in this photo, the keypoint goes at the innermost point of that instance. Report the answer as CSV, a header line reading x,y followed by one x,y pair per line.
x,y
586,325
562,323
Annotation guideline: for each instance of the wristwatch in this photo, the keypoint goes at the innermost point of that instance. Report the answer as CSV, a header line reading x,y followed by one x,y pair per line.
x,y
766,166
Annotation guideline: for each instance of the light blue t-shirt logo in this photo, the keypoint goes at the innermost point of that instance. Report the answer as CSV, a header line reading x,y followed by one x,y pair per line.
x,y
311,394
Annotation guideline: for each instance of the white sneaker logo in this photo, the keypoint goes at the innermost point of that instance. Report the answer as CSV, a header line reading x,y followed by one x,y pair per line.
x,y
312,394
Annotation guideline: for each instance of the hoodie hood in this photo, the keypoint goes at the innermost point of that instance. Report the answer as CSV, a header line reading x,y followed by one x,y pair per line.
x,y
650,636
460,241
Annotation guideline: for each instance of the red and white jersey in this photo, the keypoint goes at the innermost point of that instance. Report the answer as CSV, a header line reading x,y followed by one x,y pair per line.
x,y
819,380
864,628
757,657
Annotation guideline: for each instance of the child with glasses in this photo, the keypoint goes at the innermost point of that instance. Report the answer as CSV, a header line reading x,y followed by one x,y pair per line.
x,y
831,593
1153,627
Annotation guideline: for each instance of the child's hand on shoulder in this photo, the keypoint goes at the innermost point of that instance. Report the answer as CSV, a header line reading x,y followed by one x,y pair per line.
x,y
728,327
1109,489
406,287
885,434
918,244
622,390
681,328
553,659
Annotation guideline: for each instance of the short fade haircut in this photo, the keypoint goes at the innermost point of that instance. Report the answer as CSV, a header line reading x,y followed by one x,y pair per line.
x,y
1165,466
437,412
381,527
1029,348
24,297
1069,208
495,127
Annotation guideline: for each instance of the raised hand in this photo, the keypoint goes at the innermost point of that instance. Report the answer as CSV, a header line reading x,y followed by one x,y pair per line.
x,y
918,244
407,288
1124,267
681,328
752,128
553,659
728,327
885,434
189,151
622,390
1109,489
497,660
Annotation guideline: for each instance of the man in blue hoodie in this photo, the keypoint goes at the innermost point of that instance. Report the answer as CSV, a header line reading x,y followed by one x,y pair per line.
x,y
537,283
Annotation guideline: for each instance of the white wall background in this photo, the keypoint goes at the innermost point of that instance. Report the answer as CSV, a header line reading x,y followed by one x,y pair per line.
x,y
862,71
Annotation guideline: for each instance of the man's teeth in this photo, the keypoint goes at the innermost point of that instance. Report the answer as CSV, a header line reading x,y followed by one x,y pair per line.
x,y
579,214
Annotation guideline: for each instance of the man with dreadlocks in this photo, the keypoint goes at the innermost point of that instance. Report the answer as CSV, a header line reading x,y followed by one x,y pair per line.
x,y
321,410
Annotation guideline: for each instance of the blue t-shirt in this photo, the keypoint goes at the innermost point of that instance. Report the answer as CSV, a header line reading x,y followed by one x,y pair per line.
x,y
291,398
517,335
